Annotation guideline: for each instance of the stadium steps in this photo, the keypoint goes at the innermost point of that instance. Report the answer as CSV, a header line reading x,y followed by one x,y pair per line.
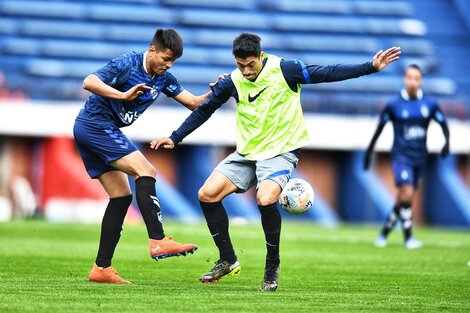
x,y
364,197
447,195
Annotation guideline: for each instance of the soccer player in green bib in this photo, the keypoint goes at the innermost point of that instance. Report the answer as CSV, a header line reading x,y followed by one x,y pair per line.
x,y
270,132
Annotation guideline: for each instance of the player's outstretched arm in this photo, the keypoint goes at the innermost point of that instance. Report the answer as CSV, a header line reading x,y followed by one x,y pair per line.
x,y
191,101
164,142
383,58
95,85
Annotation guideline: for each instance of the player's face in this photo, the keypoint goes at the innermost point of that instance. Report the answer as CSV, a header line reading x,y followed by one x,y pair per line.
x,y
158,62
413,80
250,66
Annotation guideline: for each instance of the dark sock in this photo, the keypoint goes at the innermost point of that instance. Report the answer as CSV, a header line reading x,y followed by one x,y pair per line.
x,y
271,221
111,228
406,217
149,206
217,221
390,221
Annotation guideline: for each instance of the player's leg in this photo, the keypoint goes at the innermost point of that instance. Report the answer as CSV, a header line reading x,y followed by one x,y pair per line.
x,y
116,185
405,197
233,174
401,173
390,222
272,174
93,144
139,168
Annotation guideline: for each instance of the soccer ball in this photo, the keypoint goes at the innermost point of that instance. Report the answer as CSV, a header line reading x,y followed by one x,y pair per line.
x,y
297,196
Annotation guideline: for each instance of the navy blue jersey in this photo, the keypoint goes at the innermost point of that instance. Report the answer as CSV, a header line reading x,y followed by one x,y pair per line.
x,y
410,118
295,72
123,73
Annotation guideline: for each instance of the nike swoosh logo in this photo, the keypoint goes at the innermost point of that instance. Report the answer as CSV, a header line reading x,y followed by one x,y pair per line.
x,y
155,249
251,99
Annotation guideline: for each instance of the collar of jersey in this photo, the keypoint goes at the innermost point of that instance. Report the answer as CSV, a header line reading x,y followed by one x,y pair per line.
x,y
144,62
406,96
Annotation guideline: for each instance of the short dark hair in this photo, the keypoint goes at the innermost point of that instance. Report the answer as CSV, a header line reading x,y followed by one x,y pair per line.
x,y
415,66
246,45
168,39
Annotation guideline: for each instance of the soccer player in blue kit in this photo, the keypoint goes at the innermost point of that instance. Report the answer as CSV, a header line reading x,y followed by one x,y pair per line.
x,y
410,112
121,91
270,132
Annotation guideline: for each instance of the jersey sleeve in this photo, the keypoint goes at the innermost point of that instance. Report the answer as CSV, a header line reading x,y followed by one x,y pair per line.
x,y
297,72
385,115
221,92
115,72
438,115
172,87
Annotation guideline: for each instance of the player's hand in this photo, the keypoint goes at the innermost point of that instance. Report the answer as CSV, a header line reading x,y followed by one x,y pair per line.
x,y
383,58
134,92
220,77
164,142
445,150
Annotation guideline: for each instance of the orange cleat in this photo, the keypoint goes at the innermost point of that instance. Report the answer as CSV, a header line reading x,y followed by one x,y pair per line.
x,y
165,248
107,275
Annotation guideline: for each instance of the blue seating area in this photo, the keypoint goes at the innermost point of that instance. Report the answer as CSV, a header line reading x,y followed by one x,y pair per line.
x,y
60,42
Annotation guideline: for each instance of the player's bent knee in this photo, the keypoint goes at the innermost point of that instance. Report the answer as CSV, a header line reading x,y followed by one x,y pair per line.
x,y
266,199
206,195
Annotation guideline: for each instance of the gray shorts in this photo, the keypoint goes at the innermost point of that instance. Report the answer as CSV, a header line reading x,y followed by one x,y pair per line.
x,y
245,173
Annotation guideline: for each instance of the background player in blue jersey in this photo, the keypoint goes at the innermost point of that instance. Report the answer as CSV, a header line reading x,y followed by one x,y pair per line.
x,y
410,113
270,131
121,91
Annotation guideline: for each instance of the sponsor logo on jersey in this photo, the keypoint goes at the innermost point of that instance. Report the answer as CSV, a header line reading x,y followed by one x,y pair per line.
x,y
414,132
405,113
424,111
154,93
171,88
251,99
128,117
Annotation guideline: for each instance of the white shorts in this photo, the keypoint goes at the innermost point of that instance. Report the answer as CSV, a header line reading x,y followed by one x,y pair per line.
x,y
245,173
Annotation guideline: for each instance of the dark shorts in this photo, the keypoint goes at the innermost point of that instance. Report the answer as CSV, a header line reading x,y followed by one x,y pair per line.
x,y
100,144
406,173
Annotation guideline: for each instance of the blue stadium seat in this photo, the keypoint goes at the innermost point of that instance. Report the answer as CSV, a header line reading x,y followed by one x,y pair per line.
x,y
68,29
308,6
397,8
224,19
43,9
8,26
131,13
414,46
16,46
57,68
226,4
317,23
332,43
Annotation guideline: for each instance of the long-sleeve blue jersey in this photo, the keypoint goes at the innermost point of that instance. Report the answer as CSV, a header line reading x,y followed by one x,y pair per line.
x,y
410,118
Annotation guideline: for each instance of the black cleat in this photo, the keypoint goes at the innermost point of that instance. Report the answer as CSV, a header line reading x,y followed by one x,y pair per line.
x,y
271,277
221,269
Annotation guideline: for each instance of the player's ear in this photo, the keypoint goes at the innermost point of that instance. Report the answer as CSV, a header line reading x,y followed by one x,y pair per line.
x,y
261,55
152,49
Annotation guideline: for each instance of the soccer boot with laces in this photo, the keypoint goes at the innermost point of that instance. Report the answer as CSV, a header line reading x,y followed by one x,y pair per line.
x,y
271,276
107,275
166,247
222,268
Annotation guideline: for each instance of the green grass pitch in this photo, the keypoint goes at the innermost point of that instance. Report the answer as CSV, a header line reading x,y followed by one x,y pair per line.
x,y
44,268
